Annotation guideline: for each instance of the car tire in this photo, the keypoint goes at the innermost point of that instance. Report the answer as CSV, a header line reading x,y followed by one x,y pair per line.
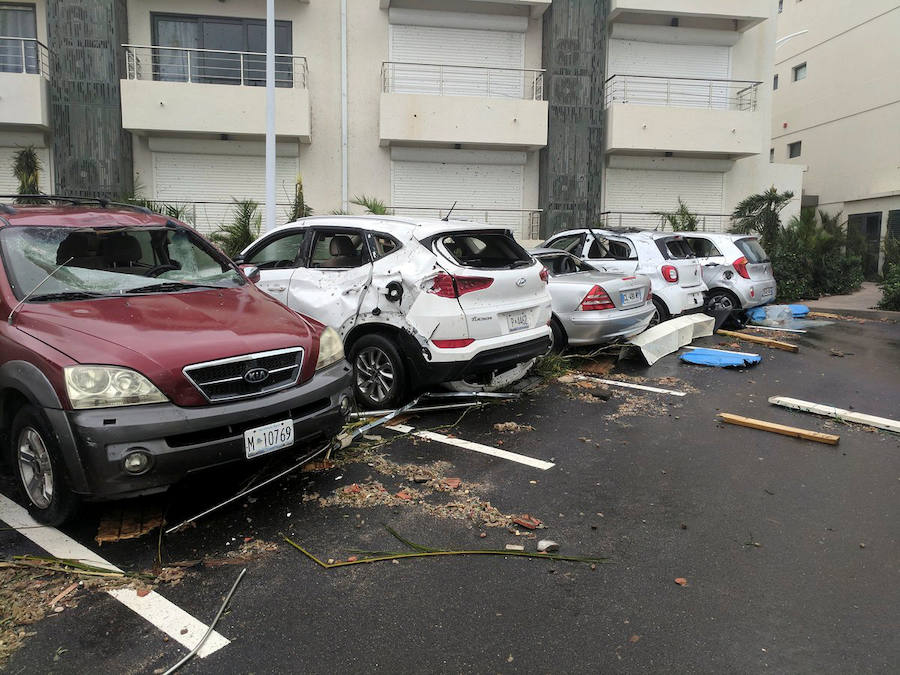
x,y
661,314
379,375
721,299
40,472
558,340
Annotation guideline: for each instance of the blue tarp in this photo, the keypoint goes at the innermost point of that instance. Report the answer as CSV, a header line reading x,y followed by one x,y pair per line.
x,y
720,359
799,310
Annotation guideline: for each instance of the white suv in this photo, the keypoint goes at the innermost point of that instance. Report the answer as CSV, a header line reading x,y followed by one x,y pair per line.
x,y
417,302
675,275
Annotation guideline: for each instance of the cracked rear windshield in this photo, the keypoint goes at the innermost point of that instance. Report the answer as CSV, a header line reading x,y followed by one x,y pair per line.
x,y
100,262
484,250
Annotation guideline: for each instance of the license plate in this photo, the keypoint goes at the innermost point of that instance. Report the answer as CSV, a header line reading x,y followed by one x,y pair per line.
x,y
768,291
518,321
269,438
631,297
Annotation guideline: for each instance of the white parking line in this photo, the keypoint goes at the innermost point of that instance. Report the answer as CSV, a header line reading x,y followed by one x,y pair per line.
x,y
167,617
471,445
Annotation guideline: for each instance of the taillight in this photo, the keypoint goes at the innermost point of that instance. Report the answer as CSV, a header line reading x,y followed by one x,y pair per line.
x,y
596,299
452,344
447,286
740,266
669,273
545,275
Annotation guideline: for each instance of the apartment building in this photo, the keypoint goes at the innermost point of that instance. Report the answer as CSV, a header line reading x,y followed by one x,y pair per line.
x,y
836,111
687,102
531,114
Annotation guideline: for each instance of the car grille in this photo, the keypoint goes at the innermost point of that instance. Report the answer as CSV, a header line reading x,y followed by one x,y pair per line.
x,y
227,379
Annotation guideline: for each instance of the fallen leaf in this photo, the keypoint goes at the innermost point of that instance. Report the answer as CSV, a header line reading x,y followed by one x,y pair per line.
x,y
634,638
143,592
681,581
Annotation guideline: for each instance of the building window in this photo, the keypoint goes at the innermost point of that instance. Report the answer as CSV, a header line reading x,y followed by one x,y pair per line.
x,y
18,55
771,155
222,36
800,72
794,149
775,82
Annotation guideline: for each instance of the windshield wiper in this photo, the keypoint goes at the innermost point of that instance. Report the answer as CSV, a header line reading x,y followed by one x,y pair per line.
x,y
166,287
67,295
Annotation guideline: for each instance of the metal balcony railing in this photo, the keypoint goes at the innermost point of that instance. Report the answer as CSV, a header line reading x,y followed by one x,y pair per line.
x,y
525,223
685,92
448,80
648,220
209,66
24,55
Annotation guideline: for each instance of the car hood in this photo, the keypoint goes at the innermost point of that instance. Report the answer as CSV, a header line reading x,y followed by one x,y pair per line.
x,y
160,334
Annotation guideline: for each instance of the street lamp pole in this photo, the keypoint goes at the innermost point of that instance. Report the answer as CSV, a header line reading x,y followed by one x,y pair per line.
x,y
270,116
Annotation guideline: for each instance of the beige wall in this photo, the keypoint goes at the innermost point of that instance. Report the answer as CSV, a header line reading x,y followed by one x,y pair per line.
x,y
846,113
24,101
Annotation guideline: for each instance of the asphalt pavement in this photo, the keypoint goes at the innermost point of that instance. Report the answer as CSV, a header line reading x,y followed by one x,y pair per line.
x,y
789,549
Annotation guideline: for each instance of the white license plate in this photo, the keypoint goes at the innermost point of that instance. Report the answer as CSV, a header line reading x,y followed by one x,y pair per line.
x,y
631,297
518,321
767,292
269,438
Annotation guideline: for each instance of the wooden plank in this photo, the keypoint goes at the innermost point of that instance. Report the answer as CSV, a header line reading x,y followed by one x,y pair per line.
x,y
760,340
837,413
805,434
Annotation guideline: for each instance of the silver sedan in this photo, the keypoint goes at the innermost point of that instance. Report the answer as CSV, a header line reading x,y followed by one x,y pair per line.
x,y
592,307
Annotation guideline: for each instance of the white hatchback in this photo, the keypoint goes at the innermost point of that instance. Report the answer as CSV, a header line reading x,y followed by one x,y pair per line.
x,y
417,302
675,275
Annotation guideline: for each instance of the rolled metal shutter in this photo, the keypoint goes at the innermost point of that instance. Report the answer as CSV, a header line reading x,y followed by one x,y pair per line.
x,y
648,191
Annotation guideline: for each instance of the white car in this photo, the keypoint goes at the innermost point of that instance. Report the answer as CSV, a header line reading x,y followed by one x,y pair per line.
x,y
675,275
736,269
417,302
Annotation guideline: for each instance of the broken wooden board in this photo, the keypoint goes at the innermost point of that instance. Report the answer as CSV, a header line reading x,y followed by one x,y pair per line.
x,y
795,432
128,522
837,413
760,340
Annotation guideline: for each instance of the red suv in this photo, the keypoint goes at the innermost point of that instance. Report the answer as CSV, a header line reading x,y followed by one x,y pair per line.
x,y
133,353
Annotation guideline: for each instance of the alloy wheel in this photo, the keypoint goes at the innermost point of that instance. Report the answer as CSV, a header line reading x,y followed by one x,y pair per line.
x,y
721,302
35,468
374,374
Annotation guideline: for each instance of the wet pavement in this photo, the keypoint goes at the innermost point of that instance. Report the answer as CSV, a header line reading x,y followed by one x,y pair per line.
x,y
789,548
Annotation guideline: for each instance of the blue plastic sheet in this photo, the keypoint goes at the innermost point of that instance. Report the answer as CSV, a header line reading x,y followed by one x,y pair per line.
x,y
720,359
799,310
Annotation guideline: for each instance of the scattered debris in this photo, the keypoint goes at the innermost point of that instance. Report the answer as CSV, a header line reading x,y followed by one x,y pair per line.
x,y
514,547
795,432
513,427
617,383
837,413
761,340
720,358
527,521
668,336
317,465
681,581
548,546
129,522
452,483
419,551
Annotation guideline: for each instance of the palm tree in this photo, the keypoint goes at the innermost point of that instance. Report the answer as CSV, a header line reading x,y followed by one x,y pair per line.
x,y
299,207
372,205
27,169
759,213
242,230
681,219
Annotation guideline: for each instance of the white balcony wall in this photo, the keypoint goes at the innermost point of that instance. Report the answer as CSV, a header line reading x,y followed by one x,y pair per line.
x,y
24,101
747,13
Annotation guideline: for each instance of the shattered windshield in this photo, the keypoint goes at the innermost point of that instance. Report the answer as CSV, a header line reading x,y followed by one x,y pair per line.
x,y
100,262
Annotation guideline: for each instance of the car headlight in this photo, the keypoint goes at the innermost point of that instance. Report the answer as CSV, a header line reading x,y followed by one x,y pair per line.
x,y
109,386
331,348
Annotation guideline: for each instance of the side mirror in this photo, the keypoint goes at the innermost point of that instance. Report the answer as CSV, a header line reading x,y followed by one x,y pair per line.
x,y
251,272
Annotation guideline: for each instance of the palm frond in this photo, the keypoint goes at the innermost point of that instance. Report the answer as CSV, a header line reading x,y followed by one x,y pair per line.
x,y
372,205
243,229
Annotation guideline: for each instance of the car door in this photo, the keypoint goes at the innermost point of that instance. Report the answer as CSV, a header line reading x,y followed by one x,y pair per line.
x,y
611,254
708,255
277,257
334,276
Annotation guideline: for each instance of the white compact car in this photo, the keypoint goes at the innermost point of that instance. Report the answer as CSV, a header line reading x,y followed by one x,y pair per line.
x,y
735,268
675,275
417,302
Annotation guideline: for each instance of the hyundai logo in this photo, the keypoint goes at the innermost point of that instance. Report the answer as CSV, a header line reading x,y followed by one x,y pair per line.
x,y
256,376
521,282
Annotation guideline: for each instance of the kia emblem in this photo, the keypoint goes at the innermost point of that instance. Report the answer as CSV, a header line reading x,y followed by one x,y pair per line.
x,y
256,376
521,282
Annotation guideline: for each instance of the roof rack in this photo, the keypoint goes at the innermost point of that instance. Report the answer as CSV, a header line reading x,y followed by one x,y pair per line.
x,y
75,201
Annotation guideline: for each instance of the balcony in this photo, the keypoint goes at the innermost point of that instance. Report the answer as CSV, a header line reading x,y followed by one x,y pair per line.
x,y
746,13
199,91
646,220
424,103
684,115
24,79
536,7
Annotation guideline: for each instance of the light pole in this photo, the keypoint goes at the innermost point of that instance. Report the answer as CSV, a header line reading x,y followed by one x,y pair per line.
x,y
270,116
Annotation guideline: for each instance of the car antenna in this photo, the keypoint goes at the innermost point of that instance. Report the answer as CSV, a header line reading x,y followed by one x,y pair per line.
x,y
447,217
15,309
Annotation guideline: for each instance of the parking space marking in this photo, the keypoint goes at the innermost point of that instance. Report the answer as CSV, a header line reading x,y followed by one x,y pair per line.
x,y
471,445
166,616
629,385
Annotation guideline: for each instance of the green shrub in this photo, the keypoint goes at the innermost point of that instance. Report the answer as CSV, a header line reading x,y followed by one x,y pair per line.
x,y
243,229
890,290
793,268
681,219
891,253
